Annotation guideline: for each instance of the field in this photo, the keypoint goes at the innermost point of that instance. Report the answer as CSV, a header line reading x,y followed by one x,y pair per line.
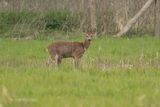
x,y
115,72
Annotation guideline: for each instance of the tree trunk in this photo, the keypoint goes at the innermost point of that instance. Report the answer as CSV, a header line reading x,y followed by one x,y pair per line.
x,y
132,21
93,15
157,18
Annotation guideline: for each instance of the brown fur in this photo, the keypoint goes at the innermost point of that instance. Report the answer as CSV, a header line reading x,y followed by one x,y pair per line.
x,y
75,50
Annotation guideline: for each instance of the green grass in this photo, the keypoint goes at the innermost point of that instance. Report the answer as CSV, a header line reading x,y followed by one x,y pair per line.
x,y
114,73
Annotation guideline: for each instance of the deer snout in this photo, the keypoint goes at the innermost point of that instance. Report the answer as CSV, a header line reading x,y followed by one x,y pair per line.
x,y
89,39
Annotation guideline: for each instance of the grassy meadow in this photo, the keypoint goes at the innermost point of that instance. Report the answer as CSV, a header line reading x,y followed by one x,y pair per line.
x,y
115,72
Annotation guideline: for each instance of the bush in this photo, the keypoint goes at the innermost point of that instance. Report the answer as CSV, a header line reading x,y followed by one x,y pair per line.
x,y
25,20
61,20
11,18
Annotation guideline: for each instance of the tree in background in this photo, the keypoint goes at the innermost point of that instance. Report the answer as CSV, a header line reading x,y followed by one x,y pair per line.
x,y
107,17
93,15
157,18
132,21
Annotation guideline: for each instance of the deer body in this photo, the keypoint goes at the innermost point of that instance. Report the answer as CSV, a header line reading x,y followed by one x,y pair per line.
x,y
59,50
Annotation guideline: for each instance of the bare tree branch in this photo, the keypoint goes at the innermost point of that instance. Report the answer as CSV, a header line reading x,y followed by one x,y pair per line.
x,y
93,15
157,18
132,21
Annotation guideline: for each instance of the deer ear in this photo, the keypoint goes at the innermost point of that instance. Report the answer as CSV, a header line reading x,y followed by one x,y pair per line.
x,y
90,33
85,33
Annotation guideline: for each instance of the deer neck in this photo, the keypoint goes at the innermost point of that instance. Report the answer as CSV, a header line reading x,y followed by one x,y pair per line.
x,y
86,44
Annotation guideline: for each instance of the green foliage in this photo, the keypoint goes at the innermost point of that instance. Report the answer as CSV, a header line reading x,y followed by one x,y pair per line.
x,y
62,20
26,23
11,18
114,72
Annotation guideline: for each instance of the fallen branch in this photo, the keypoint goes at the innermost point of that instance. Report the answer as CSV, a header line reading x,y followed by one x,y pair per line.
x,y
132,21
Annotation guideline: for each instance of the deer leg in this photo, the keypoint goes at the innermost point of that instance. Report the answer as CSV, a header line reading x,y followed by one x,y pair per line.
x,y
76,62
57,60
49,61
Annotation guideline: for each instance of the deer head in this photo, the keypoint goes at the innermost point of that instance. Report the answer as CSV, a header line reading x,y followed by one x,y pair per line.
x,y
89,36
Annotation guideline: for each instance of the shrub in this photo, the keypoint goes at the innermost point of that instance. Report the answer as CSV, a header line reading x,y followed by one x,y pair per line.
x,y
62,20
23,21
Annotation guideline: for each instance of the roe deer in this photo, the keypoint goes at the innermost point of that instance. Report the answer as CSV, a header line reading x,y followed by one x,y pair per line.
x,y
74,50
